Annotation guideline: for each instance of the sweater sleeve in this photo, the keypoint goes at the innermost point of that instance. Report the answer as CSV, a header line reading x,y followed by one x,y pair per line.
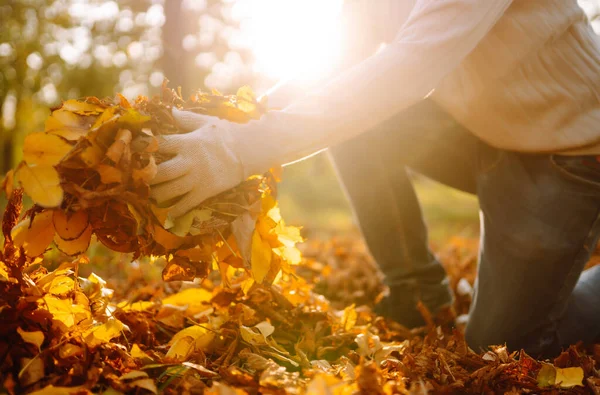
x,y
438,35
365,26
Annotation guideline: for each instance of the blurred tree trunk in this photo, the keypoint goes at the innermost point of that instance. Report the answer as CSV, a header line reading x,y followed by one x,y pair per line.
x,y
175,59
5,147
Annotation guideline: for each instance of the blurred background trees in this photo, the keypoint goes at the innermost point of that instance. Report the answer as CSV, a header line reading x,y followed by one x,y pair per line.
x,y
51,50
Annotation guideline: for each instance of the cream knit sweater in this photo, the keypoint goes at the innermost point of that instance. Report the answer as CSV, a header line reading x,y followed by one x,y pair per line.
x,y
533,83
522,75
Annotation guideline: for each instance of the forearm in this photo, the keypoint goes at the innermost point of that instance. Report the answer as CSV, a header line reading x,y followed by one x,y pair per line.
x,y
432,43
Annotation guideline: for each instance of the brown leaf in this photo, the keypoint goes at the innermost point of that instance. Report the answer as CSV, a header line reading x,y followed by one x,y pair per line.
x,y
115,151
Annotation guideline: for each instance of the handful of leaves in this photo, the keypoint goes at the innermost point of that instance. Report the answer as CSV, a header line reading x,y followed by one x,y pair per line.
x,y
88,174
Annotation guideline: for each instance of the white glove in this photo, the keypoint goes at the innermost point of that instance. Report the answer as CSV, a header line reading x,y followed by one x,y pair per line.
x,y
205,163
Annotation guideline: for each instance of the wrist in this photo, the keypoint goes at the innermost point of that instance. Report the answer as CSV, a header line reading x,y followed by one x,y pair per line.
x,y
256,151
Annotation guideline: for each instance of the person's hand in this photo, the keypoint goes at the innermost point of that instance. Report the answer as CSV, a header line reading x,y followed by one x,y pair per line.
x,y
204,162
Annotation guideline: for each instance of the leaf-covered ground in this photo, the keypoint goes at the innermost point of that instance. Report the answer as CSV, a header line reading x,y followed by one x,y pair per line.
x,y
220,300
65,333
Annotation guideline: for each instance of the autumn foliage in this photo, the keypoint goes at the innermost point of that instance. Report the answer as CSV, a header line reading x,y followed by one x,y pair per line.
x,y
258,326
88,174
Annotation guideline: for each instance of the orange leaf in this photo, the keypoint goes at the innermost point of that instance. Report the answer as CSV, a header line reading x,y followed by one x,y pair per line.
x,y
166,238
70,226
109,174
34,236
77,246
146,174
115,151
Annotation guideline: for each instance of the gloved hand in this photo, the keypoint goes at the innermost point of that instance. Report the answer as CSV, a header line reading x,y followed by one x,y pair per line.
x,y
205,162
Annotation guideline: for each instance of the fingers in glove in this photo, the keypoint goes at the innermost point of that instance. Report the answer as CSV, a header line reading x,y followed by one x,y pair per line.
x,y
187,202
189,121
172,189
171,144
170,170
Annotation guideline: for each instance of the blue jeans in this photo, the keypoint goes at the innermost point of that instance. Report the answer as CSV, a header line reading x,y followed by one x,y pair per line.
x,y
540,222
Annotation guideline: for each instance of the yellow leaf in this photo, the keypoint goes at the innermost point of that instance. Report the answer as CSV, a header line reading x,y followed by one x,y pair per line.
x,y
81,107
109,116
291,255
550,375
181,349
247,285
245,93
349,318
288,235
96,279
188,296
70,350
136,352
104,333
260,258
133,117
44,149
4,272
35,337
67,125
183,224
569,377
258,334
92,154
41,183
60,286
196,300
64,312
202,337
34,237
76,246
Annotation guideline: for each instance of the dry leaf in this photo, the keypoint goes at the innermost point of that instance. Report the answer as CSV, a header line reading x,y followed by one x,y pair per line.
x,y
34,236
44,149
41,183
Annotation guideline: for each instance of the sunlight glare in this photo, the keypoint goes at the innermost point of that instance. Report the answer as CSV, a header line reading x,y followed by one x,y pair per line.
x,y
297,39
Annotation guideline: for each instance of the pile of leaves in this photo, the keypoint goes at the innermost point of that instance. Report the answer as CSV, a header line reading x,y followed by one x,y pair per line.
x,y
88,174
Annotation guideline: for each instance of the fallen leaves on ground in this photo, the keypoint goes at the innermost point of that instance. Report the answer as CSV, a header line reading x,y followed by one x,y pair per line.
x,y
62,333
268,321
